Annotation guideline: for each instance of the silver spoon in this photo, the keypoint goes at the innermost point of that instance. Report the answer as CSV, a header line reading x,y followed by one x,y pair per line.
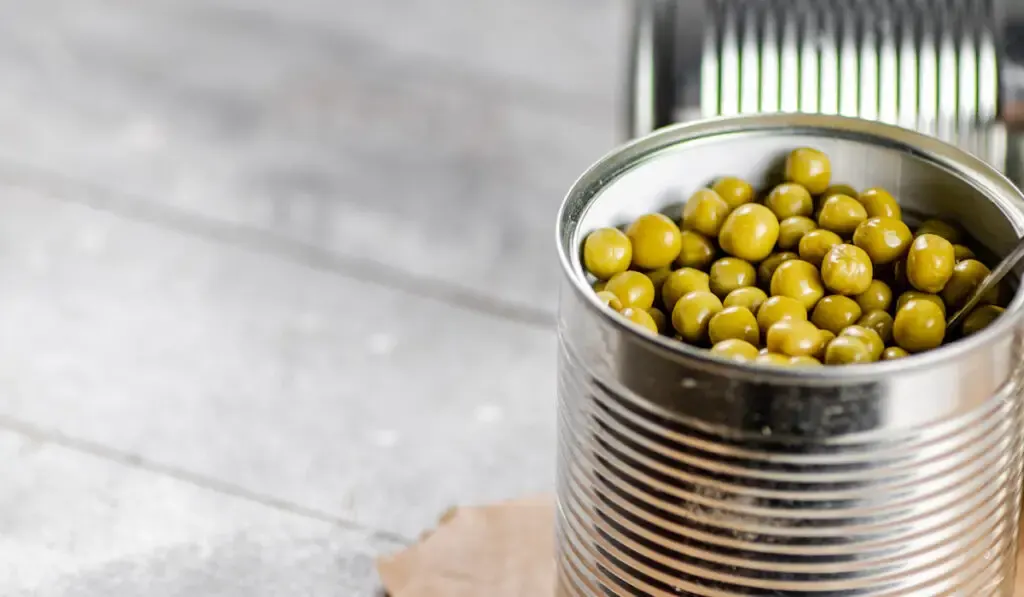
x,y
990,281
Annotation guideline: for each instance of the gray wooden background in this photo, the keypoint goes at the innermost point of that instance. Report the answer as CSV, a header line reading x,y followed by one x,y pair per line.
x,y
277,279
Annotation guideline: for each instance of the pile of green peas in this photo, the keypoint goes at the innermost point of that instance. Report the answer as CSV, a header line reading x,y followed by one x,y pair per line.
x,y
810,273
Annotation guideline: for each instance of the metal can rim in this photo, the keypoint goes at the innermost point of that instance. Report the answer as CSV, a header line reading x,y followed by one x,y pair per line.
x,y
986,179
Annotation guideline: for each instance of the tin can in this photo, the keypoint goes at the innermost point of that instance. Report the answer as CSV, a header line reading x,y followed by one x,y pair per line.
x,y
947,68
682,474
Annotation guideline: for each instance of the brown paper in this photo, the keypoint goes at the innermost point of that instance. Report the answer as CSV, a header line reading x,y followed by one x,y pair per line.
x,y
504,550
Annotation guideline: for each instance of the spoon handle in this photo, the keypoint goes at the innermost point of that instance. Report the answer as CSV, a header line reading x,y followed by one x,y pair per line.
x,y
990,281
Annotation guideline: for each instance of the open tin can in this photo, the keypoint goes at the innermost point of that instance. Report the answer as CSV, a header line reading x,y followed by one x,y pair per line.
x,y
684,474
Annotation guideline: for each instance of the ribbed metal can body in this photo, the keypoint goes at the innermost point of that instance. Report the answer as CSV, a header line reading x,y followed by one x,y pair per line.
x,y
683,475
942,67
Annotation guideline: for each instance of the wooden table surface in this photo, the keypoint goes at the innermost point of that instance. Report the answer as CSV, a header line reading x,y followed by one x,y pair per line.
x,y
279,279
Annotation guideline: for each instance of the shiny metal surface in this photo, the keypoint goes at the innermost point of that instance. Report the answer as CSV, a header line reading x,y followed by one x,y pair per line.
x,y
1003,269
649,66
1011,30
930,65
682,474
